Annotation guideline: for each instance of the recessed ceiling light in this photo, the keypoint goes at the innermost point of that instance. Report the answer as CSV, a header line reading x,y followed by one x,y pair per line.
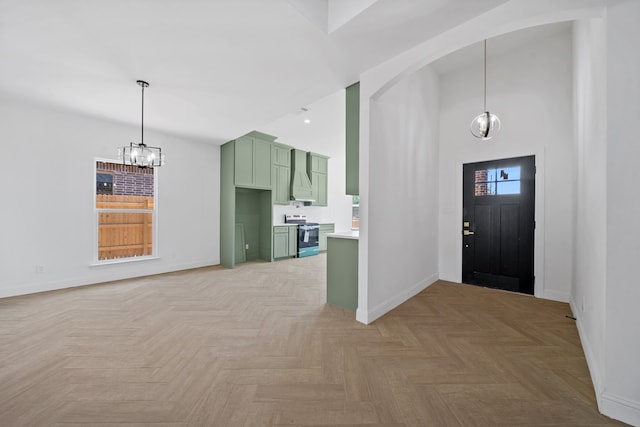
x,y
307,121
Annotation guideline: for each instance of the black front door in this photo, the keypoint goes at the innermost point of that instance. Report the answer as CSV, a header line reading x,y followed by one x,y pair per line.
x,y
498,224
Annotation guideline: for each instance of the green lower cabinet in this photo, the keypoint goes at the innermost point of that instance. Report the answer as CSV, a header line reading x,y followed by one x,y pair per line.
x,y
342,272
322,235
284,241
293,241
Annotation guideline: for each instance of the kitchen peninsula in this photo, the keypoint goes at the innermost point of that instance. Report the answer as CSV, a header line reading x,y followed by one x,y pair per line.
x,y
342,269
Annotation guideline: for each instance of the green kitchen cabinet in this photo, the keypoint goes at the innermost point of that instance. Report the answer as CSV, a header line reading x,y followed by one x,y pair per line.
x,y
322,235
253,161
246,199
293,240
317,169
342,272
281,174
284,241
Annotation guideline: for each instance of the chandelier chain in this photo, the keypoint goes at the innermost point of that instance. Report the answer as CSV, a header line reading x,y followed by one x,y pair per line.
x,y
142,84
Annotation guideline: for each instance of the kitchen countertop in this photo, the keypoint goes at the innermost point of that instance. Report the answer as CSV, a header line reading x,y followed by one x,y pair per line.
x,y
354,234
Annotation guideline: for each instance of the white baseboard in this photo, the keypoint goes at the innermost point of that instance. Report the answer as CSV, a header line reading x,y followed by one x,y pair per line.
x,y
104,276
388,305
609,404
620,408
555,295
452,278
588,353
361,316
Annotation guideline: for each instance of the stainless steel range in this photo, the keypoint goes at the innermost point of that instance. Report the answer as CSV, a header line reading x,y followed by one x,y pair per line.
x,y
307,234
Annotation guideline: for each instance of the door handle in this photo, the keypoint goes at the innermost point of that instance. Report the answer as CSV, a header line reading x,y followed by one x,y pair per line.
x,y
468,232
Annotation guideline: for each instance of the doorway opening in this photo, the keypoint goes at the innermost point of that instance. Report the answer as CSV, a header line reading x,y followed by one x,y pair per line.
x,y
498,224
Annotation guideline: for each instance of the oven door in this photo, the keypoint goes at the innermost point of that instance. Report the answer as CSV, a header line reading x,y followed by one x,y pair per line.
x,y
308,240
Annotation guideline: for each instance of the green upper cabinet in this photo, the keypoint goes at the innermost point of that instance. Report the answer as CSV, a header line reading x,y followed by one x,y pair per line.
x,y
253,161
317,169
281,155
318,163
353,138
281,174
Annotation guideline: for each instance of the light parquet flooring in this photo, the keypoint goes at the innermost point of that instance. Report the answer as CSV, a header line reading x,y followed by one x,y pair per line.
x,y
258,346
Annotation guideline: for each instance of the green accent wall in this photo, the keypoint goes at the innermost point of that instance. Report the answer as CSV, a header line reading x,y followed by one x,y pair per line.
x,y
352,139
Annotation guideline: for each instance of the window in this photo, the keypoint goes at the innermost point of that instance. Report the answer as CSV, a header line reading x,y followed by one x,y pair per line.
x,y
104,182
125,211
492,182
355,212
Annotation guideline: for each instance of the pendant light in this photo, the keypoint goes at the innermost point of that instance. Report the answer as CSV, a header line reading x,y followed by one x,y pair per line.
x,y
487,124
141,154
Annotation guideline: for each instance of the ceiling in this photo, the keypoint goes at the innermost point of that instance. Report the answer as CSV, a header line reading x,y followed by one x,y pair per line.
x,y
217,68
497,46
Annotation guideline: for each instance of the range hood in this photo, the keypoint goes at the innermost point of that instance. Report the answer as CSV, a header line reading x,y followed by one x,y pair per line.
x,y
300,183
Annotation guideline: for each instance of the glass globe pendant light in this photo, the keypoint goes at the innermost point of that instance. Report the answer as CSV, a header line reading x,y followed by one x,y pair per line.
x,y
487,124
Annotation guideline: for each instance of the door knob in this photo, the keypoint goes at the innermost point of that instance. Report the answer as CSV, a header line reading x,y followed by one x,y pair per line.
x,y
468,232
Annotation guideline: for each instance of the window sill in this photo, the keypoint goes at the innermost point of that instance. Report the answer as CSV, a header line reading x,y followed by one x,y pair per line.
x,y
123,260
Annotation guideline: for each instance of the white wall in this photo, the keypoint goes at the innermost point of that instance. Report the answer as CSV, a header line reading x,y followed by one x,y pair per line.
x,y
324,135
403,202
511,16
47,200
605,292
621,394
620,343
588,293
530,90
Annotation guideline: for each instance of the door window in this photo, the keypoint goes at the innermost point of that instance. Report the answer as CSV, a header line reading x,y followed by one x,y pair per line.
x,y
500,181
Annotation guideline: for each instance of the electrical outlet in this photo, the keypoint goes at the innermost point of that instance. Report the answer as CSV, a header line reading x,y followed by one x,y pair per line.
x,y
246,246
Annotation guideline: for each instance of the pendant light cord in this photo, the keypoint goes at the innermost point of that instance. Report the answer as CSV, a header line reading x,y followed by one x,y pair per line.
x,y
142,121
485,75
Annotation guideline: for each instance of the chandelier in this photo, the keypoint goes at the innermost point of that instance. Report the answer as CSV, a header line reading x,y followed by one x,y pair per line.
x,y
141,154
487,124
